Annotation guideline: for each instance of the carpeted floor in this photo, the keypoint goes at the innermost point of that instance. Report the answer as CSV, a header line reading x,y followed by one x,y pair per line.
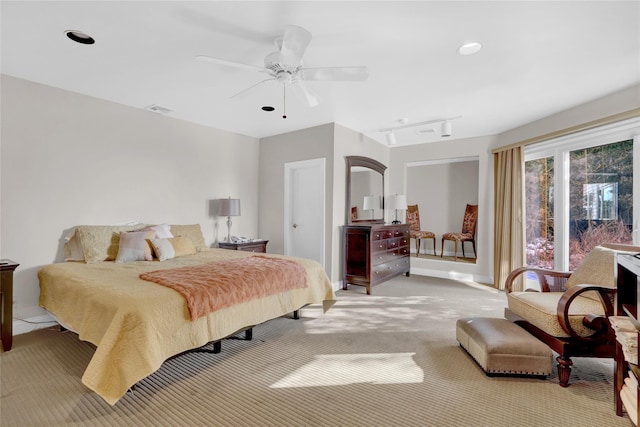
x,y
389,359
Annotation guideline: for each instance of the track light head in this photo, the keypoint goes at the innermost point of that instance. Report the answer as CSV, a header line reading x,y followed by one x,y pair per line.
x,y
445,129
391,138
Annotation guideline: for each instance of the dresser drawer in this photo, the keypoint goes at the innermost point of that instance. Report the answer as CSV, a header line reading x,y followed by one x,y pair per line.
x,y
397,242
399,232
381,235
379,246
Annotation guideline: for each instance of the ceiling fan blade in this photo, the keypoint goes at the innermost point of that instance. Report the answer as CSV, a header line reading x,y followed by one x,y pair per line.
x,y
245,91
294,44
336,73
302,92
231,63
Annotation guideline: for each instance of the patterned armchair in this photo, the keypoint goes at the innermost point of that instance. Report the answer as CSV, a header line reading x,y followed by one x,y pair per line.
x,y
570,310
413,219
468,233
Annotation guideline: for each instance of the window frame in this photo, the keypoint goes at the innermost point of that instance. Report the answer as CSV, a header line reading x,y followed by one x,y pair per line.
x,y
560,148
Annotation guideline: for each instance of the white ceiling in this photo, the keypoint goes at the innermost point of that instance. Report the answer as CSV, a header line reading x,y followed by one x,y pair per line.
x,y
538,58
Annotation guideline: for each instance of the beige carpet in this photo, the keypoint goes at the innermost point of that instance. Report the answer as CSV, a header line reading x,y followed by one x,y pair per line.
x,y
389,359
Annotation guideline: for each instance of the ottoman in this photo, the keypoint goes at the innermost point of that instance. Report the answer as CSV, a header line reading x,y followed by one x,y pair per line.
x,y
502,347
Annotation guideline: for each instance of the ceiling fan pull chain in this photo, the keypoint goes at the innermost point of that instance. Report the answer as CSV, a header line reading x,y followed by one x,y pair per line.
x,y
284,101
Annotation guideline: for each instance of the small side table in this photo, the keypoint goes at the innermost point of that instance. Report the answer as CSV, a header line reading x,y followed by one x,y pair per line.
x,y
255,246
7,267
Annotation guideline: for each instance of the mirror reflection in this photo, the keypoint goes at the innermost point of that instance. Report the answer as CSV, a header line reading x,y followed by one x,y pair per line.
x,y
366,199
365,190
440,191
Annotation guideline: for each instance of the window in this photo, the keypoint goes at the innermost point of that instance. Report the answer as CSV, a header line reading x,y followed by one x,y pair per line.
x,y
579,194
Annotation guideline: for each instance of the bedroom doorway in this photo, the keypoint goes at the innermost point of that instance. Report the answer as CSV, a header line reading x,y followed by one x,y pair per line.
x,y
304,211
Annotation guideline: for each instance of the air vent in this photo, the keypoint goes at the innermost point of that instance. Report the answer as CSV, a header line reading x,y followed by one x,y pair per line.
x,y
158,109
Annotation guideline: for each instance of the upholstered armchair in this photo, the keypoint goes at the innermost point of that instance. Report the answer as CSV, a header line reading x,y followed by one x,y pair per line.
x,y
468,233
413,219
569,311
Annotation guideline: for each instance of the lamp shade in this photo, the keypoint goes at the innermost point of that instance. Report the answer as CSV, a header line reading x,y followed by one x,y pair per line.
x,y
371,202
398,201
229,207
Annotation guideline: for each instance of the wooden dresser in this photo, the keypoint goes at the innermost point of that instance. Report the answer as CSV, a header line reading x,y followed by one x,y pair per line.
x,y
374,253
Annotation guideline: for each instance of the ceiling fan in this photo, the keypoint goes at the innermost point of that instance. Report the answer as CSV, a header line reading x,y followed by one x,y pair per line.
x,y
285,66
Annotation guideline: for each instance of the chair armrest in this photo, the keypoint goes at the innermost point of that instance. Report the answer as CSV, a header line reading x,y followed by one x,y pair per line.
x,y
600,324
542,275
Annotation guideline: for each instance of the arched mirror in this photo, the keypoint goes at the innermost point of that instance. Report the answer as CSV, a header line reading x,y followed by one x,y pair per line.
x,y
365,190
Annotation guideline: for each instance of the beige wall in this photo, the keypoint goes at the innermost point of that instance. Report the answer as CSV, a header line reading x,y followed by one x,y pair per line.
x,y
617,102
275,152
69,159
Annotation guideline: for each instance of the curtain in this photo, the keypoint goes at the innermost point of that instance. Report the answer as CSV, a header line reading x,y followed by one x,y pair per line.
x,y
509,214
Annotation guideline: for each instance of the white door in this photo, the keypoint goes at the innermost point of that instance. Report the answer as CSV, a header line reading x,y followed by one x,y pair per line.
x,y
304,195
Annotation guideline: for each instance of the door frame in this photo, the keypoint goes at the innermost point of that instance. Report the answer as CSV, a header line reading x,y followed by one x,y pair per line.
x,y
289,168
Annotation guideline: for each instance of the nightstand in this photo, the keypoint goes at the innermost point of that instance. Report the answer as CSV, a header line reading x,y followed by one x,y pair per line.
x,y
7,268
256,246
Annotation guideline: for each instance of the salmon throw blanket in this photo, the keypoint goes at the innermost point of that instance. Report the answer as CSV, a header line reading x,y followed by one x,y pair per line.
x,y
212,286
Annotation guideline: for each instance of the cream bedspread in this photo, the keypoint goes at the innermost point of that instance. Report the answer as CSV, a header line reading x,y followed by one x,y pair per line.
x,y
136,325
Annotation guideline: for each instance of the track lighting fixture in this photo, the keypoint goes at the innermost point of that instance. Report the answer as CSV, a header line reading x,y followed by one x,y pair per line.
x,y
391,138
445,128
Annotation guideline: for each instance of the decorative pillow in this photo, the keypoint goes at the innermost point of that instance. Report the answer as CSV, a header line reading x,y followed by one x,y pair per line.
x,y
134,246
100,242
597,268
162,230
193,232
172,247
72,247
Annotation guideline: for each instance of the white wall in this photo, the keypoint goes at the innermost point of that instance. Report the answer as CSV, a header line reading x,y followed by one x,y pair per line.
x,y
69,159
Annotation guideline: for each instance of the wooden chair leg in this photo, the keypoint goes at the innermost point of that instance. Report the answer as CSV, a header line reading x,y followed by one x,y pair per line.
x,y
434,246
441,247
417,247
455,253
564,370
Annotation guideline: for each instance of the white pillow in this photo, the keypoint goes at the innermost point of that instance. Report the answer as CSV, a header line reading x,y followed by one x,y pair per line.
x,y
162,231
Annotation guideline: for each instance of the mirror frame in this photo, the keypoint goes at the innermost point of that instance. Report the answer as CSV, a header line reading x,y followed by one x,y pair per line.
x,y
375,166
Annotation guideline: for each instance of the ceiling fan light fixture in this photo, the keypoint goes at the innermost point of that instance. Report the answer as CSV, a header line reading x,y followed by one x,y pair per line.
x,y
79,37
445,129
469,48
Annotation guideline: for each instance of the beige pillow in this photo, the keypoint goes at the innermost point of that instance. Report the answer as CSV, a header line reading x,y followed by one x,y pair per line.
x,y
134,246
72,247
100,242
172,247
597,268
193,232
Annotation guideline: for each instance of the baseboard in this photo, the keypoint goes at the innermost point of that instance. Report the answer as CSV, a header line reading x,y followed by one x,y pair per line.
x,y
453,275
23,326
336,286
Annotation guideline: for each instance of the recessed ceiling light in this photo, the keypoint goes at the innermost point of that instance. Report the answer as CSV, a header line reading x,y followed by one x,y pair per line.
x,y
469,48
267,108
79,37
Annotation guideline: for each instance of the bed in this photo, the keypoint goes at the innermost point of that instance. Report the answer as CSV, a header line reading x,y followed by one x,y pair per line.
x,y
137,324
